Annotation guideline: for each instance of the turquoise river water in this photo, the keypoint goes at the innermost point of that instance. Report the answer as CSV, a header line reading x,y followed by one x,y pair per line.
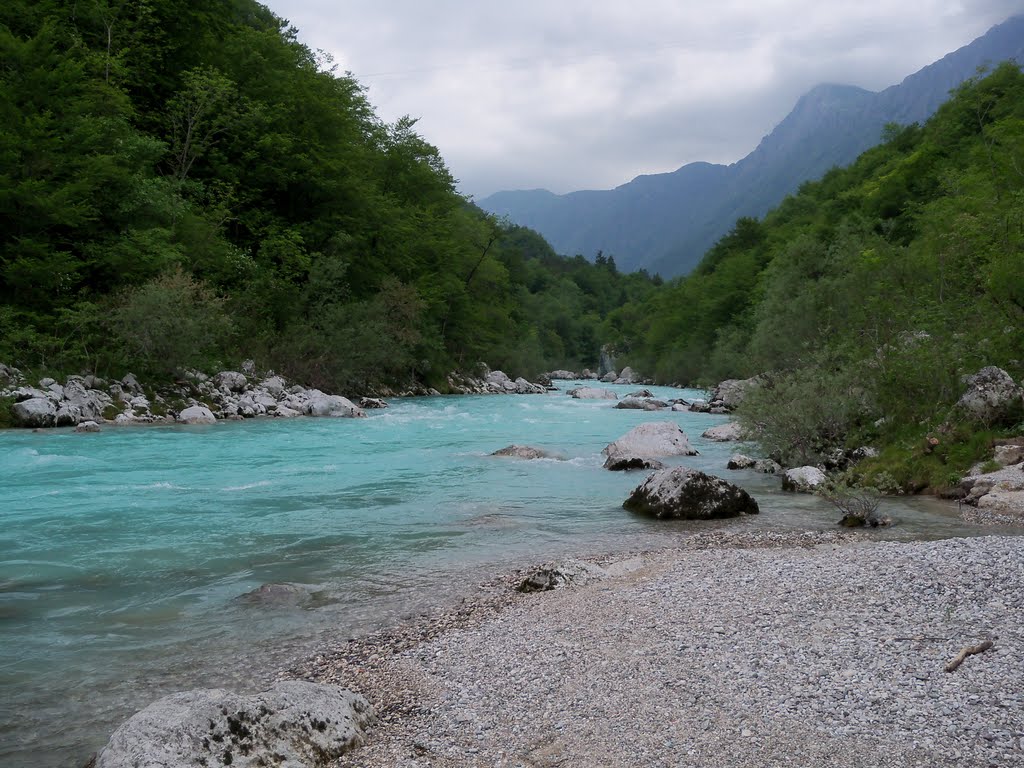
x,y
123,554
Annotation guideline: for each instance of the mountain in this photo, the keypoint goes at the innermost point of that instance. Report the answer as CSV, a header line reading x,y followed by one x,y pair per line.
x,y
665,222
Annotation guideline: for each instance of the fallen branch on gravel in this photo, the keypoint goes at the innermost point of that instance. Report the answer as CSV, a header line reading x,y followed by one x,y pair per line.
x,y
969,650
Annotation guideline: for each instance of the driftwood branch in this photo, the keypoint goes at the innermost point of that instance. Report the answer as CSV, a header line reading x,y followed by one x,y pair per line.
x,y
969,650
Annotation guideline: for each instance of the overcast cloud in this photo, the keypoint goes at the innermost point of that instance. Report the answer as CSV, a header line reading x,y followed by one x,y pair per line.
x,y
574,94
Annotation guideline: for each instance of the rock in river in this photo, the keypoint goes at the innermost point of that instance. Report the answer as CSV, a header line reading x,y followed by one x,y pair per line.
x,y
650,440
688,494
523,452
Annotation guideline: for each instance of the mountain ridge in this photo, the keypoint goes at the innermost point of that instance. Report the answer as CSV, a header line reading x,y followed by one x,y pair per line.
x,y
665,222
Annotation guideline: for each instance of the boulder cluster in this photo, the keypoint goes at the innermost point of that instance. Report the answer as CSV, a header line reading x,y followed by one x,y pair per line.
x,y
489,382
85,402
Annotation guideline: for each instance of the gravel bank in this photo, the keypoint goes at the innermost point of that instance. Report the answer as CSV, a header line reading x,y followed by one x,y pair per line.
x,y
769,649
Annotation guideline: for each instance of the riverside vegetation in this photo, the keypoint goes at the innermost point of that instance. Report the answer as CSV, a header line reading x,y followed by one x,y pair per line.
x,y
186,186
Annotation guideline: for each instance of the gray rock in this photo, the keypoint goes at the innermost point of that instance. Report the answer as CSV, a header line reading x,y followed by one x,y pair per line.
x,y
567,574
802,479
370,403
1008,455
564,375
627,463
641,393
34,412
231,381
295,723
732,391
332,405
739,461
249,367
131,384
90,403
87,426
592,393
724,433
275,386
651,440
30,393
700,406
196,414
767,466
282,594
641,404
627,376
524,452
688,494
991,395
610,377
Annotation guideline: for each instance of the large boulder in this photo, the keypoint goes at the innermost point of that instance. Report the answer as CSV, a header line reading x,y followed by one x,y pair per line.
x,y
196,414
732,391
641,404
627,376
681,493
592,393
802,479
332,405
231,381
723,433
991,395
34,412
295,723
651,440
89,404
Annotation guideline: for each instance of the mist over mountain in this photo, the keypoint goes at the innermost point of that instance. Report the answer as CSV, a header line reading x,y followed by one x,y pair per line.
x,y
665,222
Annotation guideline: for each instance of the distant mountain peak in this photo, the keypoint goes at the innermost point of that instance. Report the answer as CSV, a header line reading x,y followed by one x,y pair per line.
x,y
665,222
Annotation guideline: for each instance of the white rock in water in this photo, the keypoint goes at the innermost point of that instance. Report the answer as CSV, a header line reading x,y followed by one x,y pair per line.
x,y
196,414
650,440
332,405
802,479
592,393
723,433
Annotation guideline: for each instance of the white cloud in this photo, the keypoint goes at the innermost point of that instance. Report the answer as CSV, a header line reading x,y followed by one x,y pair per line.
x,y
582,94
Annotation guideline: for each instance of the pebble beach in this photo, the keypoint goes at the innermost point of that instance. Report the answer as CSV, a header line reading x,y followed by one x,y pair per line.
x,y
752,649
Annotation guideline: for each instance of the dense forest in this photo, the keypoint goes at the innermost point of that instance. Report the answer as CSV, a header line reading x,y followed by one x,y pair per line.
x,y
866,297
183,184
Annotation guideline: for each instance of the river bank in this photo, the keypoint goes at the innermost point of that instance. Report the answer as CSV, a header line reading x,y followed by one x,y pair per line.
x,y
735,650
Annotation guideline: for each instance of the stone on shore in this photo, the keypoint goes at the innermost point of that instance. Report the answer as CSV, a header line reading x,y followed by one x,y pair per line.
x,y
802,479
651,440
571,573
295,723
681,493
35,412
731,392
724,433
991,395
196,414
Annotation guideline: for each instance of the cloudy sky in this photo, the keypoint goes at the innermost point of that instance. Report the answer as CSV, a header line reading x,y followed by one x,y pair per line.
x,y
587,94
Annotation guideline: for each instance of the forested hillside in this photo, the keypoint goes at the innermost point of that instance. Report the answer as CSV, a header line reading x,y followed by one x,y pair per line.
x,y
870,293
183,184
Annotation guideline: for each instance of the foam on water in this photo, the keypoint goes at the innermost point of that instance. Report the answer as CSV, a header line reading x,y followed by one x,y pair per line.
x,y
123,554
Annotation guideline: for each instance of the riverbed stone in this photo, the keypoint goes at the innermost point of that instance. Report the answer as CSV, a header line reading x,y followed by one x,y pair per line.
x,y
294,723
641,404
336,406
802,479
523,452
723,433
571,573
34,412
650,440
682,493
196,414
592,393
740,461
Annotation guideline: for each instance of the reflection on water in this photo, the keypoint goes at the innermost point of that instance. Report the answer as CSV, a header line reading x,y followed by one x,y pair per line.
x,y
123,554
